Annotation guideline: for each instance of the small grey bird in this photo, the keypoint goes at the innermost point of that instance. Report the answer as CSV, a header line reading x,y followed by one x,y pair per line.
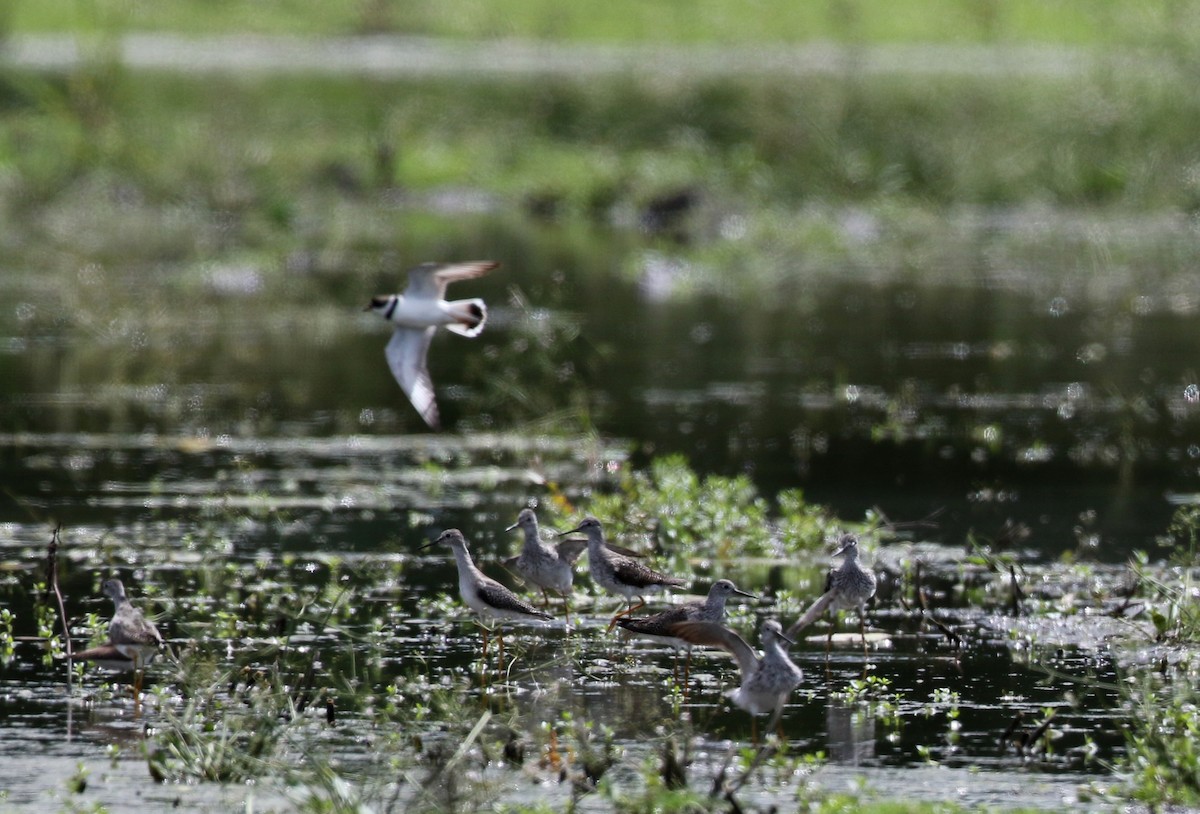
x,y
416,315
133,641
489,599
657,628
848,586
619,573
767,680
550,567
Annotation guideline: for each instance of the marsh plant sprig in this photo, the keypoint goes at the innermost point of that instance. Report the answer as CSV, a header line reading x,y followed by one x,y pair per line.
x,y
7,640
714,517
222,735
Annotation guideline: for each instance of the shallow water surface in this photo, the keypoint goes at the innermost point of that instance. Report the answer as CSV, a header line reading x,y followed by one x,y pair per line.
x,y
229,441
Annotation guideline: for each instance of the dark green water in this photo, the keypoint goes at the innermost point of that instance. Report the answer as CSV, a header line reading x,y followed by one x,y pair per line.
x,y
201,430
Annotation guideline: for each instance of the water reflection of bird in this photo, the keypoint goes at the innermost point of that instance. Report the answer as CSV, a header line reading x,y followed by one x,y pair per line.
x,y
416,315
657,628
767,680
489,599
550,567
133,640
619,573
848,586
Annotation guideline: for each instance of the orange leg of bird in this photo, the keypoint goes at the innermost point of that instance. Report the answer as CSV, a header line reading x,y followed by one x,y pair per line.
x,y
641,604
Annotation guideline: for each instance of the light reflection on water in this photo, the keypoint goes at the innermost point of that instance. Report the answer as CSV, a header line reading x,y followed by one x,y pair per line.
x,y
215,453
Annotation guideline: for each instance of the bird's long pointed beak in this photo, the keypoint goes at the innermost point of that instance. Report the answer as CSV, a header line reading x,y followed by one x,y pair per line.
x,y
568,531
788,639
428,545
513,526
740,592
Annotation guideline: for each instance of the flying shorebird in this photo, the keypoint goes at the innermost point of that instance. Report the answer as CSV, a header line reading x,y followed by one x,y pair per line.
x,y
849,586
482,594
133,641
416,315
766,681
657,628
550,567
620,573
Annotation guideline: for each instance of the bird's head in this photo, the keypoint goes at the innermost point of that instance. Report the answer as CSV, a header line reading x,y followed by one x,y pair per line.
x,y
379,304
525,519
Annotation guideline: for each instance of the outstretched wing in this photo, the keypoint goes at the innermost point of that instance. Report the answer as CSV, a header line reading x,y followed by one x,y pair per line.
x,y
812,614
570,549
406,354
430,279
714,634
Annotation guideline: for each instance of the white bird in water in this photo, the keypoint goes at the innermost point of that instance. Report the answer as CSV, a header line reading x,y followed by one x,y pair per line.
x,y
550,567
849,586
416,315
767,681
657,628
489,599
133,641
619,573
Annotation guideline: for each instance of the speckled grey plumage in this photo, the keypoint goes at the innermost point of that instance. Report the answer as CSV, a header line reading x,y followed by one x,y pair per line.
x,y
848,586
550,567
618,573
482,594
767,680
129,631
711,609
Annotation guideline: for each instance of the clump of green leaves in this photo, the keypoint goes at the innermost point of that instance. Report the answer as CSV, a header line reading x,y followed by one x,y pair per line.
x,y
715,517
7,640
1173,610
227,730
1162,760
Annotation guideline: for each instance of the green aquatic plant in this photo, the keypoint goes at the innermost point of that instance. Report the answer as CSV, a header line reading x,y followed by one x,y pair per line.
x,y
711,517
228,728
7,640
1162,761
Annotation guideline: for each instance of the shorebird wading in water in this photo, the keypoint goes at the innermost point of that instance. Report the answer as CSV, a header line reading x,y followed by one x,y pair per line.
x,y
848,586
657,628
416,315
482,594
619,573
133,641
550,567
767,680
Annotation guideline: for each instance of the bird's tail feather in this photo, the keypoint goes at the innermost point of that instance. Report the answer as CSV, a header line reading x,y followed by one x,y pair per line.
x,y
811,615
470,316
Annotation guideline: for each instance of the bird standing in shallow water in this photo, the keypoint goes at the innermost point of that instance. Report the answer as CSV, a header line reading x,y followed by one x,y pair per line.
x,y
550,567
621,574
133,641
767,680
848,586
658,627
416,315
482,594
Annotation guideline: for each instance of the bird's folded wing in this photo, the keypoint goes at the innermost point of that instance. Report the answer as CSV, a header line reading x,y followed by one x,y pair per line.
x,y
406,354
496,595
